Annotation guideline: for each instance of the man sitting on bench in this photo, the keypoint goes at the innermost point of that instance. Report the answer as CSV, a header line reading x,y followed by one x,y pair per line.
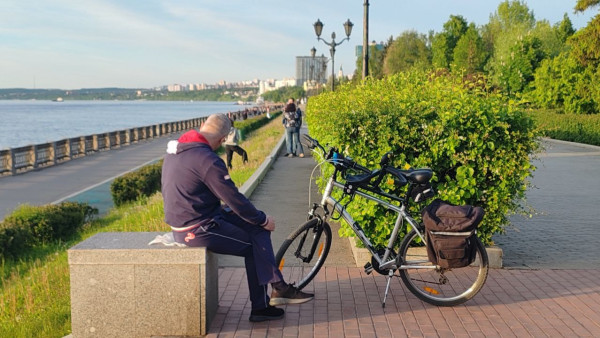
x,y
194,182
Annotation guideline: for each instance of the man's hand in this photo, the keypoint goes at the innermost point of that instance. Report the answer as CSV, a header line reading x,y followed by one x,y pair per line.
x,y
270,223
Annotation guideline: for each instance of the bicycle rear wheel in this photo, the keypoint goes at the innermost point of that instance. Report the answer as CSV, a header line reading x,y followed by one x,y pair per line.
x,y
304,251
438,286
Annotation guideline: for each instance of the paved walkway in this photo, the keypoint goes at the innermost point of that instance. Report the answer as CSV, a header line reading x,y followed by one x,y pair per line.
x,y
564,232
513,302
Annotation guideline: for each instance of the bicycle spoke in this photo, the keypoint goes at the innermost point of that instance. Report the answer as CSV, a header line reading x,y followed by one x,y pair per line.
x,y
303,253
435,285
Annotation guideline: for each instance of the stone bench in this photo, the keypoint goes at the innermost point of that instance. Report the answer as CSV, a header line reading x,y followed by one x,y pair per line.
x,y
123,287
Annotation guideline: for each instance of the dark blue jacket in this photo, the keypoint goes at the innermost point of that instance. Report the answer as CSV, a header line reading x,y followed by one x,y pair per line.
x,y
194,182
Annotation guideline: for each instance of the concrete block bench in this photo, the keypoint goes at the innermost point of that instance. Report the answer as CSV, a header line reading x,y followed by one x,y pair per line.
x,y
123,287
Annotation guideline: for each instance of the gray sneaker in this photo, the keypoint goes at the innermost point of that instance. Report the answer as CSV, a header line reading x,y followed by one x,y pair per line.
x,y
289,295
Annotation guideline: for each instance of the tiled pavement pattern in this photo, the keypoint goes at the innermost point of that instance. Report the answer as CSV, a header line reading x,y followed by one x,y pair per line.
x,y
513,303
563,234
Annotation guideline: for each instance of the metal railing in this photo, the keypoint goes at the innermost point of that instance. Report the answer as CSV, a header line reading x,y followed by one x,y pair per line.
x,y
22,159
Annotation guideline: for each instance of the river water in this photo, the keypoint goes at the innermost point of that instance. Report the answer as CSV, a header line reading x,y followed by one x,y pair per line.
x,y
34,122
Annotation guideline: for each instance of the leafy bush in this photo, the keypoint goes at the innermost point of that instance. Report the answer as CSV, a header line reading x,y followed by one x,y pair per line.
x,y
134,185
561,83
249,125
29,226
477,144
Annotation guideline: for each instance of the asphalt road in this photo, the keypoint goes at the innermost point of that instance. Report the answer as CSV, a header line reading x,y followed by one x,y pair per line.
x,y
90,176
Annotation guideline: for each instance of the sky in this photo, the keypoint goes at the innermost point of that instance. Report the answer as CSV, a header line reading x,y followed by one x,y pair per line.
x,y
72,44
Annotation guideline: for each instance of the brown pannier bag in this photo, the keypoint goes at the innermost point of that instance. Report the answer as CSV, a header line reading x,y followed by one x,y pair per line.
x,y
451,233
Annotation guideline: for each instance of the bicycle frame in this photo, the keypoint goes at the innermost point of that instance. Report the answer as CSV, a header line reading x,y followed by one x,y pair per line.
x,y
384,262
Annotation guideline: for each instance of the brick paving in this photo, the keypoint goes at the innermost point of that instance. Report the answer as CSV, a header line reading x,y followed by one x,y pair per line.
x,y
513,302
555,300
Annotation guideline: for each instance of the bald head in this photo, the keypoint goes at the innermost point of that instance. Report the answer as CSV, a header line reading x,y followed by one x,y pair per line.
x,y
216,124
215,128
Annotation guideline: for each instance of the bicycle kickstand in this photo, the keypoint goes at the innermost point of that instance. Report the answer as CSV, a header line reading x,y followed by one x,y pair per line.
x,y
387,287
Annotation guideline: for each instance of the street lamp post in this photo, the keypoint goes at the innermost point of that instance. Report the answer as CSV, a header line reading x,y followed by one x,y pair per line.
x,y
332,44
365,70
313,51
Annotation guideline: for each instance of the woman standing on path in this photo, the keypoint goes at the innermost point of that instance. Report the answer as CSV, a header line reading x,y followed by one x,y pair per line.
x,y
292,124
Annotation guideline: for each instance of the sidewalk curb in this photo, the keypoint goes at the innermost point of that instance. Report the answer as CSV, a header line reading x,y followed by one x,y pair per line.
x,y
251,183
583,145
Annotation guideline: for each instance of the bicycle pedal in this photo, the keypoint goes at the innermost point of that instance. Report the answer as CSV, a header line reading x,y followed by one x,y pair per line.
x,y
368,268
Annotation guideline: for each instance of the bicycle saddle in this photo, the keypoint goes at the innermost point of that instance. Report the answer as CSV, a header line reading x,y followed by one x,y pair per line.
x,y
419,176
361,180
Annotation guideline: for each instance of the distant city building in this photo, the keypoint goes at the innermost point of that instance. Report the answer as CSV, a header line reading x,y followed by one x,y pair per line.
x,y
175,88
269,85
309,69
359,48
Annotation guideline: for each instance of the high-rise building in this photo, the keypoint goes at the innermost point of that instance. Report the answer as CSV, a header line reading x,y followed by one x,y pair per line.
x,y
311,69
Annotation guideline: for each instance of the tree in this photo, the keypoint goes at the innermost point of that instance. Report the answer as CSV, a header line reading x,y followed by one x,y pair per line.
x,y
284,93
582,5
443,43
408,51
514,48
564,29
469,53
550,40
585,44
513,15
439,51
516,71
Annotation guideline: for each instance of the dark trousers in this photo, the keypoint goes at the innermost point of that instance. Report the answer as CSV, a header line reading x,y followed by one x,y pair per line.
x,y
229,149
229,234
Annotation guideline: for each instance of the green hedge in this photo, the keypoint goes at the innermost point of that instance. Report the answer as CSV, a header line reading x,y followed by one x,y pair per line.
x,y
478,144
252,124
569,127
136,184
146,181
30,226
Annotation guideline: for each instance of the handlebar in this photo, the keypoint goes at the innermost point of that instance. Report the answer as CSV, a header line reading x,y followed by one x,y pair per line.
x,y
371,179
334,155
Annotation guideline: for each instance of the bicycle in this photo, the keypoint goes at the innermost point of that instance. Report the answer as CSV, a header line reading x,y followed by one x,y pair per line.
x,y
305,250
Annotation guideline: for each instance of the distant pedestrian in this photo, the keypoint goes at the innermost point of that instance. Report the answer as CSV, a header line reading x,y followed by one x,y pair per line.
x,y
290,120
232,145
296,135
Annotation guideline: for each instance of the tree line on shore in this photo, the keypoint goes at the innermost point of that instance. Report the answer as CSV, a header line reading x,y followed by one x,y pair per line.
x,y
221,94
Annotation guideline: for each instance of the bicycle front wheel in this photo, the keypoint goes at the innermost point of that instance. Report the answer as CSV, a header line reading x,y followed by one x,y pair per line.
x,y
439,286
303,253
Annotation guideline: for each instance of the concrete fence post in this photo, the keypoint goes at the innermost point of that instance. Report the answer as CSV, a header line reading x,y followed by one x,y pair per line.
x,y
33,158
95,142
53,152
13,167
